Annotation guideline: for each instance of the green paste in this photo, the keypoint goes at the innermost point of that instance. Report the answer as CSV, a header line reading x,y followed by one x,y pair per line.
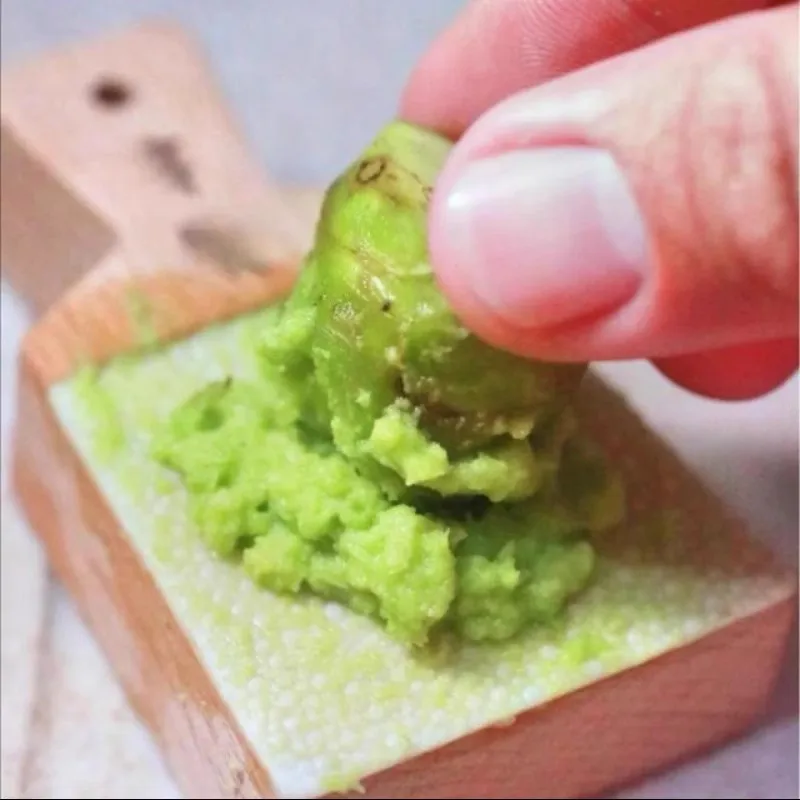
x,y
385,458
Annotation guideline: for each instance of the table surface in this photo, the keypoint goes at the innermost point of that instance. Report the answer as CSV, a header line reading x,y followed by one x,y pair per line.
x,y
67,731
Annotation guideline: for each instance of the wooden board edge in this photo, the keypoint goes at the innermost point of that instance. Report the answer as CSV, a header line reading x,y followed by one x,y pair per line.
x,y
107,313
43,254
94,323
578,745
116,595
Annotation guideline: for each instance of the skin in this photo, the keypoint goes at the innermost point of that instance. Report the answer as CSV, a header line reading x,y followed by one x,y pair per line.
x,y
636,78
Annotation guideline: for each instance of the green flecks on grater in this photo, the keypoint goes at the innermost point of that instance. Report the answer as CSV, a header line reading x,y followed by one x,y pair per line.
x,y
322,692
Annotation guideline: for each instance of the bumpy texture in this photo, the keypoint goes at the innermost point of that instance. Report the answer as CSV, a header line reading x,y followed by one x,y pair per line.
x,y
367,328
387,459
301,516
322,694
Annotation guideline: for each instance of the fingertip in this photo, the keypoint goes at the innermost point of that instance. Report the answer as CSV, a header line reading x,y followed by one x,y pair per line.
x,y
744,372
479,317
454,284
463,73
420,99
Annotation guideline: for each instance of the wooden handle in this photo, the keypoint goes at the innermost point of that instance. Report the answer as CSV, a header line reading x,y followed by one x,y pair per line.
x,y
114,151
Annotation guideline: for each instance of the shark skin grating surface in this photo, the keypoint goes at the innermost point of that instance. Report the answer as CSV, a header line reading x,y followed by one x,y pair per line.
x,y
323,695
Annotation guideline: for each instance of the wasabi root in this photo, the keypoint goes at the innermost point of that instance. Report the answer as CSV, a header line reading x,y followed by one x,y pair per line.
x,y
389,459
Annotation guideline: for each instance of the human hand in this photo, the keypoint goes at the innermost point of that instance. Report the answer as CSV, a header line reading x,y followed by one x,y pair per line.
x,y
642,207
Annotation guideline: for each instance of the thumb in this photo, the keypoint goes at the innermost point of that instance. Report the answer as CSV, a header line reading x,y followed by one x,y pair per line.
x,y
643,207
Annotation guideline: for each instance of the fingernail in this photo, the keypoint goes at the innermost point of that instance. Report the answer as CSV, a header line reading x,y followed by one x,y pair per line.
x,y
544,236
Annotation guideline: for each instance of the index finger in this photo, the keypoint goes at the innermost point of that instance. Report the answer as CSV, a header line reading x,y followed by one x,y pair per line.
x,y
498,47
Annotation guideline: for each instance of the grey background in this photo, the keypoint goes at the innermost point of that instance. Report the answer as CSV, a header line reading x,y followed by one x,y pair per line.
x,y
310,81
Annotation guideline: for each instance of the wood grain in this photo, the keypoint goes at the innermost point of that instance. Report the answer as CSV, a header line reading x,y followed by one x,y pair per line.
x,y
86,178
155,662
582,744
53,248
